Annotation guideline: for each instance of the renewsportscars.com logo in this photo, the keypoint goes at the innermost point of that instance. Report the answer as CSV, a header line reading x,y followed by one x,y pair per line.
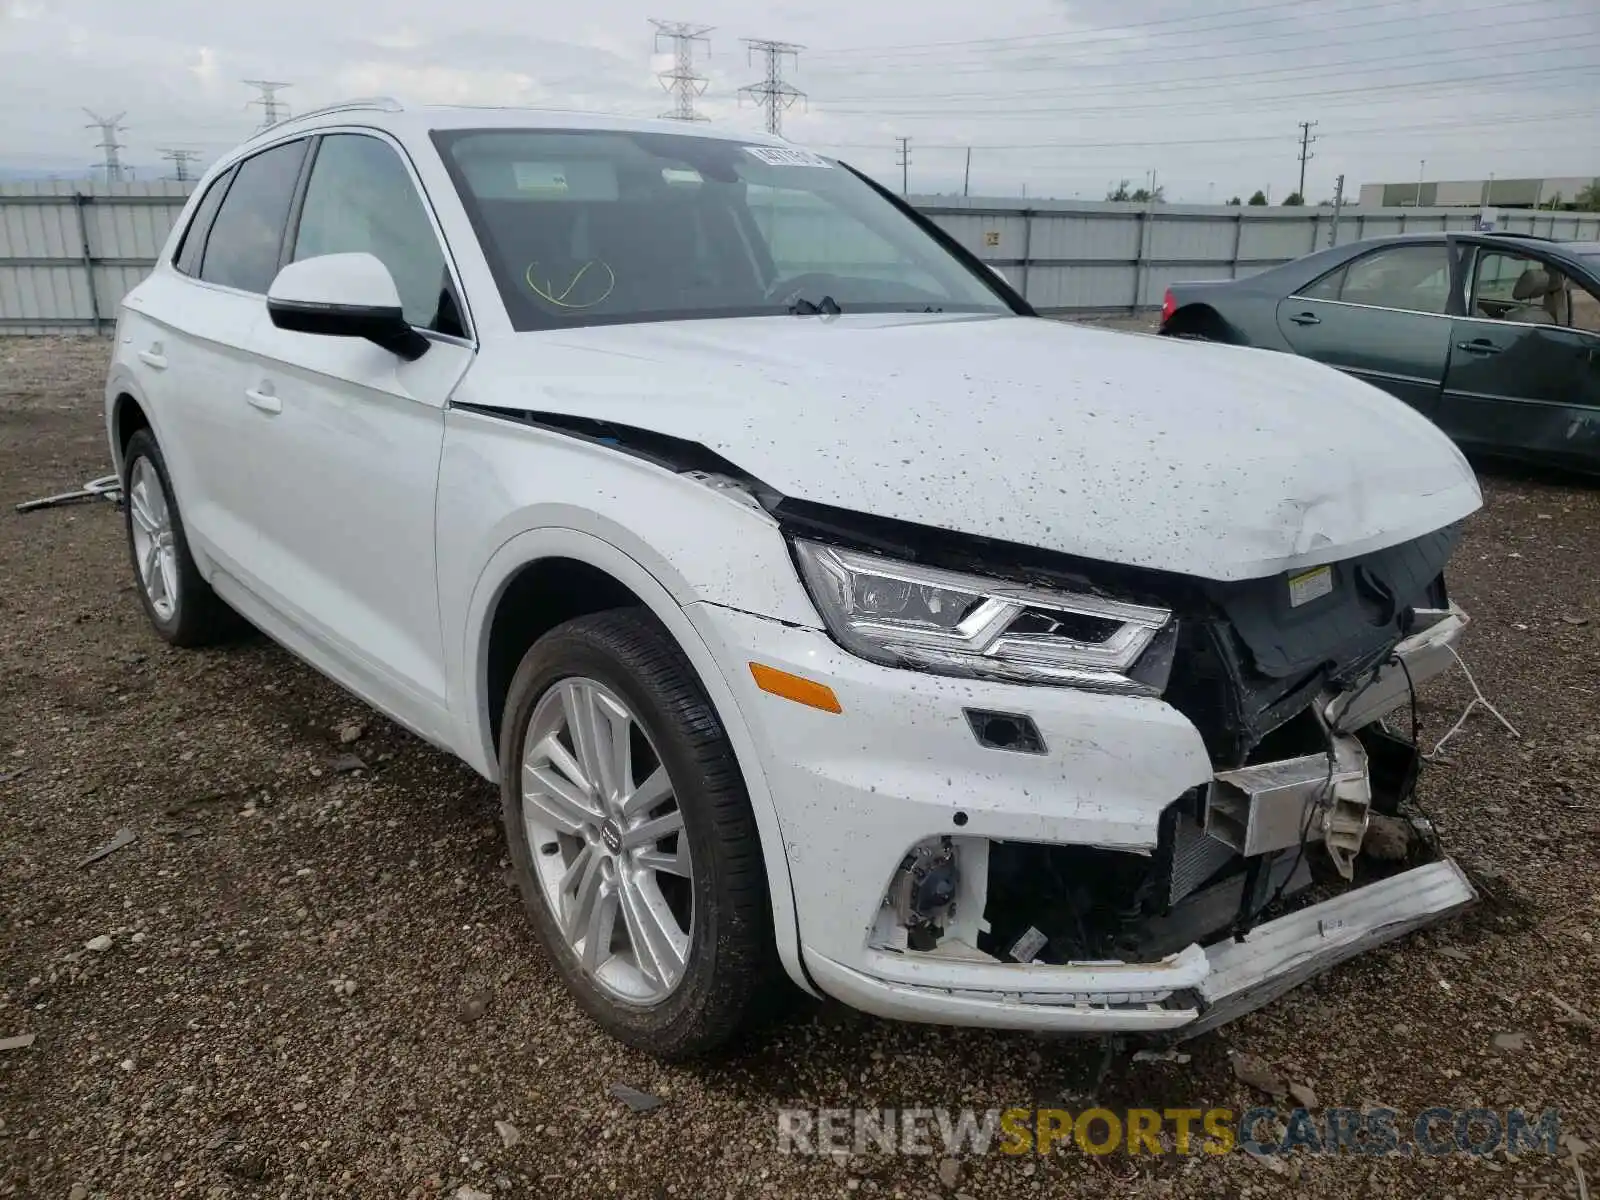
x,y
1183,1131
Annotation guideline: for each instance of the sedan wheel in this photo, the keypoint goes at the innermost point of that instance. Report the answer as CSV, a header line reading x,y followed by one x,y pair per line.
x,y
608,840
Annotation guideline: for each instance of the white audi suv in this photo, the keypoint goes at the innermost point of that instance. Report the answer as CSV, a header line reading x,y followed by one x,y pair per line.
x,y
820,610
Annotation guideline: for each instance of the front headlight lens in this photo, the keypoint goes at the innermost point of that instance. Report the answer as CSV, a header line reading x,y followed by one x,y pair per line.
x,y
902,614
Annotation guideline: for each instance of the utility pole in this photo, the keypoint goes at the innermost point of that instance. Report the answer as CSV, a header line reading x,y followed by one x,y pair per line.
x,y
1422,168
180,160
1306,156
773,93
1338,208
903,161
108,142
681,80
273,109
966,176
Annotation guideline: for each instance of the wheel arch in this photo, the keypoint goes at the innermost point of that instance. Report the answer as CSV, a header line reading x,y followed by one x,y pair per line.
x,y
552,558
1199,319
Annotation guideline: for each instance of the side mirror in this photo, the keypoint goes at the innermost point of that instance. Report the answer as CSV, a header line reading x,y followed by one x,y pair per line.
x,y
344,295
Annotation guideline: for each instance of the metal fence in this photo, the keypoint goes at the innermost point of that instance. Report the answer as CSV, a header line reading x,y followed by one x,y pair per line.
x,y
69,252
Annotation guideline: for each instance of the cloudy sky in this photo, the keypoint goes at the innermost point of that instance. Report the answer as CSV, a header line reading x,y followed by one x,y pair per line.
x,y
1061,96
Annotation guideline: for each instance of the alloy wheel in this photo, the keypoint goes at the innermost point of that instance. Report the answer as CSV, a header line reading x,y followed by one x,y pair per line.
x,y
154,545
608,844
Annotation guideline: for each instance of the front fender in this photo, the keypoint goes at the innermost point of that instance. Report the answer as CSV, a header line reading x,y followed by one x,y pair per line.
x,y
477,741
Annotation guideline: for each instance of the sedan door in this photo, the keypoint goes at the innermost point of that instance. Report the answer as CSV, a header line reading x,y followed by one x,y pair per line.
x,y
1524,376
1382,318
348,438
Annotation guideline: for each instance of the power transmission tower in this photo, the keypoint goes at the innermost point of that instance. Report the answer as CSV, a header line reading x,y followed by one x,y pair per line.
x,y
772,93
108,142
1306,138
273,109
682,80
180,160
903,161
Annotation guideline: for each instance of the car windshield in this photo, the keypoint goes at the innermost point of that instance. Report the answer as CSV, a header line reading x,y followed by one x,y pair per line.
x,y
592,227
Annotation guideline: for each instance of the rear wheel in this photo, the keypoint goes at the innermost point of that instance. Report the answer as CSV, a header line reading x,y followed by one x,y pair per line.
x,y
1198,324
180,604
632,836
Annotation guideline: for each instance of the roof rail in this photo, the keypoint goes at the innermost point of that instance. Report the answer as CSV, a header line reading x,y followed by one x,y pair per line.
x,y
359,103
1527,237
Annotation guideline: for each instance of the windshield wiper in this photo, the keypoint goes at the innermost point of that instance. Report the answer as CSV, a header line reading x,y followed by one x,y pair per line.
x,y
827,306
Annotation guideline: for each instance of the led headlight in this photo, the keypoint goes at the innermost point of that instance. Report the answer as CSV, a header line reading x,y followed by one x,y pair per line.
x,y
906,615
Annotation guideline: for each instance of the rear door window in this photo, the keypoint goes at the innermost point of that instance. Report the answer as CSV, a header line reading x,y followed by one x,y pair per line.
x,y
247,236
1412,278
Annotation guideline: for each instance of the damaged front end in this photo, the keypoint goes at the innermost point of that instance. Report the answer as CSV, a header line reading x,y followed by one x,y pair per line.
x,y
1299,852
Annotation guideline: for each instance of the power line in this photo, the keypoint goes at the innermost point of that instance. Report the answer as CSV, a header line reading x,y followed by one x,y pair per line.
x,y
773,93
1306,138
903,161
1250,103
109,128
273,109
1080,48
1032,44
180,160
1296,74
1033,41
681,80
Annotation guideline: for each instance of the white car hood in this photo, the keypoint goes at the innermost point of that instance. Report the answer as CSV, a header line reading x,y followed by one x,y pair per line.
x,y
1204,460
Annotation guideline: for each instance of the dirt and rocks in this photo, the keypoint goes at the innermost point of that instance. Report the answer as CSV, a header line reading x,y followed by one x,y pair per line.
x,y
306,974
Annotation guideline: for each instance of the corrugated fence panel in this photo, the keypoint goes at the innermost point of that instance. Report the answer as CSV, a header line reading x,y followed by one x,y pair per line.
x,y
1111,237
1065,255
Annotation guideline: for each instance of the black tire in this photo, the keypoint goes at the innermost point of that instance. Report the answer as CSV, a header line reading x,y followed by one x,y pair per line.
x,y
731,965
198,617
1198,325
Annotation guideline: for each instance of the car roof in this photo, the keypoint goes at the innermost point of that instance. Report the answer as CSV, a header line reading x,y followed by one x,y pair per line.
x,y
414,121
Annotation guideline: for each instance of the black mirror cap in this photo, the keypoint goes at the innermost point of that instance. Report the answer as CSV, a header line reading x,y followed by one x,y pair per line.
x,y
384,326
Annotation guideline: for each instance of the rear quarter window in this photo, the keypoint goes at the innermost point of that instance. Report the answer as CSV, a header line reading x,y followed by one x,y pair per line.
x,y
193,245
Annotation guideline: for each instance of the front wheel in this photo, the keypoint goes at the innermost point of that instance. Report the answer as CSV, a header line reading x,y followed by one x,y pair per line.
x,y
632,836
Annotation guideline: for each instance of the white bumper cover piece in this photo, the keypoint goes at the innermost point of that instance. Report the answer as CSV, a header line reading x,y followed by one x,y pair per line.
x,y
1223,982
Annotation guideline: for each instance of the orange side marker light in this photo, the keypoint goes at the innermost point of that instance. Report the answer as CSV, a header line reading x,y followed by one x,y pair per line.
x,y
793,687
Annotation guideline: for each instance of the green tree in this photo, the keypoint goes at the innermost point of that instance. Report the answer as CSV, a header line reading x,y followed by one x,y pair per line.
x,y
1259,200
1235,202
1120,192
1146,196
1588,199
1294,200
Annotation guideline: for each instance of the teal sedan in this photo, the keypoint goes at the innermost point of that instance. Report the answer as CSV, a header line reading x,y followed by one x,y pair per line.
x,y
1494,337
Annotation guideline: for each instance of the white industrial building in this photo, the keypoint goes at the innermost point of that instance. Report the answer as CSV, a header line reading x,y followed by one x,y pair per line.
x,y
1474,193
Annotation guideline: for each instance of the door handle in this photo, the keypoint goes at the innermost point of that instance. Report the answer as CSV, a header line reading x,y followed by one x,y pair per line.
x,y
1306,318
1478,346
265,401
153,358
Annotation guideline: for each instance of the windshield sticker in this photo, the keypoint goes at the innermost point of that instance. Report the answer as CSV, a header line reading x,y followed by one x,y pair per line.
x,y
681,175
779,156
550,178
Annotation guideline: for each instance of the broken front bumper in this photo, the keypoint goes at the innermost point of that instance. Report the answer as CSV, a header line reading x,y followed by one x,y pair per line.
x,y
1189,992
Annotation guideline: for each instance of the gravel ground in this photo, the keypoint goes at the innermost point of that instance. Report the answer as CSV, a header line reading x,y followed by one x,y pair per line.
x,y
318,983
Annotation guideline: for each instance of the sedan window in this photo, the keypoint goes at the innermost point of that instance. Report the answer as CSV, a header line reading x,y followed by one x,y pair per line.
x,y
1507,286
247,236
1413,278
